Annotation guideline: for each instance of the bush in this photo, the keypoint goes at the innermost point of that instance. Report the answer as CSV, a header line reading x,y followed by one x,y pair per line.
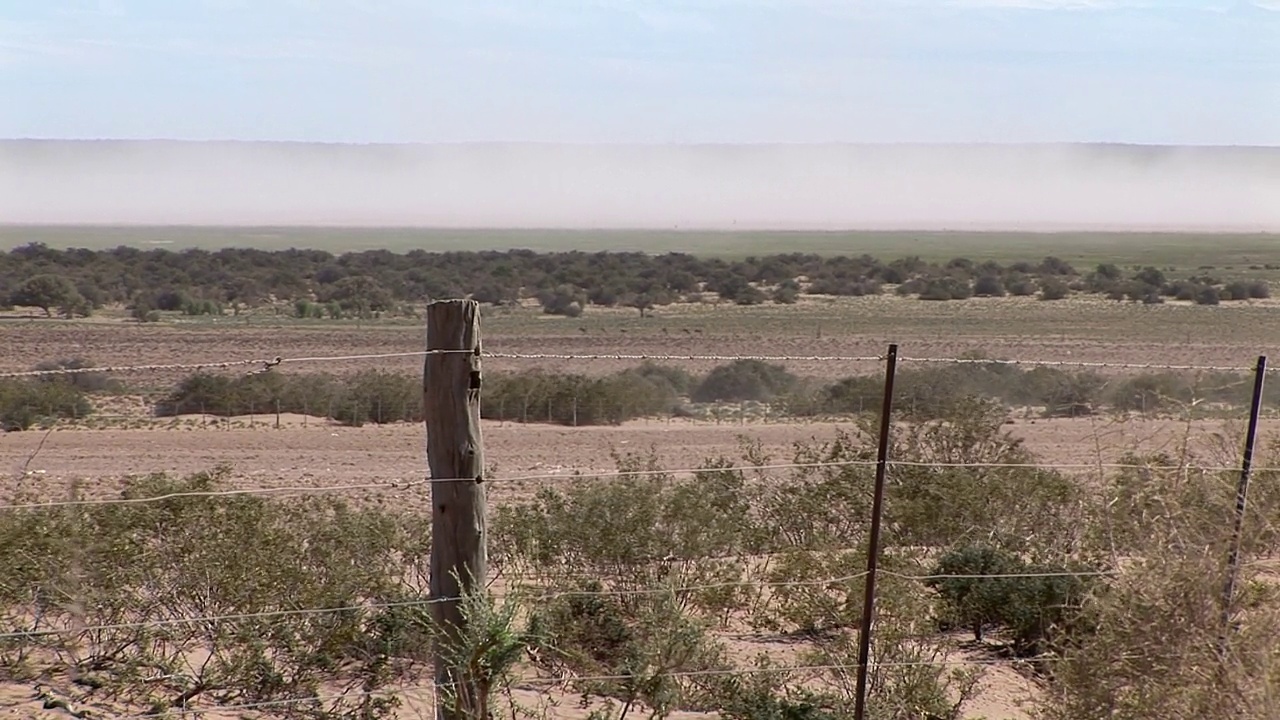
x,y
240,566
988,286
1021,286
565,300
305,309
1151,393
1053,289
378,397
946,288
25,403
675,378
1030,607
170,300
1247,290
1208,296
743,380
739,291
368,396
89,382
1063,394
580,400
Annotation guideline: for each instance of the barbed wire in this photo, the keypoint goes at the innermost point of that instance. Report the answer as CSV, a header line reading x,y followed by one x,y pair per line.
x,y
266,364
543,597
1102,364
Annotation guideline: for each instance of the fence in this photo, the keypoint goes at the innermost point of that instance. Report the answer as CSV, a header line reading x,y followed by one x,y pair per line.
x,y
850,543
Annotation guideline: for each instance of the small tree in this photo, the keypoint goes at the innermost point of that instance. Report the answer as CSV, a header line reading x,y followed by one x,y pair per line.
x,y
360,294
45,292
981,586
565,300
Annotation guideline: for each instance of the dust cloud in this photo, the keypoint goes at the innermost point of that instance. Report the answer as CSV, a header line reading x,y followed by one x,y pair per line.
x,y
916,187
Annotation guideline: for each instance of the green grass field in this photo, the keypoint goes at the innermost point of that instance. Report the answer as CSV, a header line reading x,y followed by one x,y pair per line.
x,y
1180,250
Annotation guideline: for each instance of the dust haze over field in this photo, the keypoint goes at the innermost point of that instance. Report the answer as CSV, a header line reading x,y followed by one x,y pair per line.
x,y
917,187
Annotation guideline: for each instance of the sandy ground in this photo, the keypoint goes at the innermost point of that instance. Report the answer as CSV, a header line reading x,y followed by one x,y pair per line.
x,y
322,454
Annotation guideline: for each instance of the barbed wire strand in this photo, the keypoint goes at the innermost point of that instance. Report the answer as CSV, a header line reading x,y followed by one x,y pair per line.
x,y
1101,364
540,597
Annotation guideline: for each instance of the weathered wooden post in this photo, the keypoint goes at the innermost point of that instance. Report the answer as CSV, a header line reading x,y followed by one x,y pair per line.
x,y
455,455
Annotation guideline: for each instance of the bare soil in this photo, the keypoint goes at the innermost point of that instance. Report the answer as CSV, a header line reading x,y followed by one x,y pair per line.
x,y
313,452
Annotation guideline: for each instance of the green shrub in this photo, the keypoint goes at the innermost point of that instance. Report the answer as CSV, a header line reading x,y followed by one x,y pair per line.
x,y
979,587
170,300
376,396
573,400
676,378
988,286
46,291
25,403
946,288
566,300
368,396
1053,289
744,380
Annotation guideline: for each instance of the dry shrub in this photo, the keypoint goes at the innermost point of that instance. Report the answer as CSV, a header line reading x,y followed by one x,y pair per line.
x,y
1154,648
193,600
1155,643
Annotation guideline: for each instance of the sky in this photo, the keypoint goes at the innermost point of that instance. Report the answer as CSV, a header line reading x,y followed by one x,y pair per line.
x,y
644,71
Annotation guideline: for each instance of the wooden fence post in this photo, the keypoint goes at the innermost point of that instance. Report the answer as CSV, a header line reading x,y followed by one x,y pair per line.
x,y
455,455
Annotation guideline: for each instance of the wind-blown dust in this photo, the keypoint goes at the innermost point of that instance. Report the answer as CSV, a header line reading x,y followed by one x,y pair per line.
x,y
918,187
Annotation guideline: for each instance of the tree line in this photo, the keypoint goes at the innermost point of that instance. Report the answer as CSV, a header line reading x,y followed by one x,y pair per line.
x,y
318,284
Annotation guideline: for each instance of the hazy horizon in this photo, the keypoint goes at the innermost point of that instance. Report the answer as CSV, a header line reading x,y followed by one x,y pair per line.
x,y
765,186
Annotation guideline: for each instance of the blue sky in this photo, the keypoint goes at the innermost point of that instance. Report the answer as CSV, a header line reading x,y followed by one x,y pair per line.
x,y
648,71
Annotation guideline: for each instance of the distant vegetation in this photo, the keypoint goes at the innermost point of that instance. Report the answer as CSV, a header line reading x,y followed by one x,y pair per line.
x,y
316,284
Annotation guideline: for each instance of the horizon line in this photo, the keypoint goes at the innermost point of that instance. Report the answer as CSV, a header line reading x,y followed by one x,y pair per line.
x,y
1041,230
552,143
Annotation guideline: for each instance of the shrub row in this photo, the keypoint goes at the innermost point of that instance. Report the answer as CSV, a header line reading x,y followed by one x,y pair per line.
x,y
366,397
934,392
648,390
365,284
